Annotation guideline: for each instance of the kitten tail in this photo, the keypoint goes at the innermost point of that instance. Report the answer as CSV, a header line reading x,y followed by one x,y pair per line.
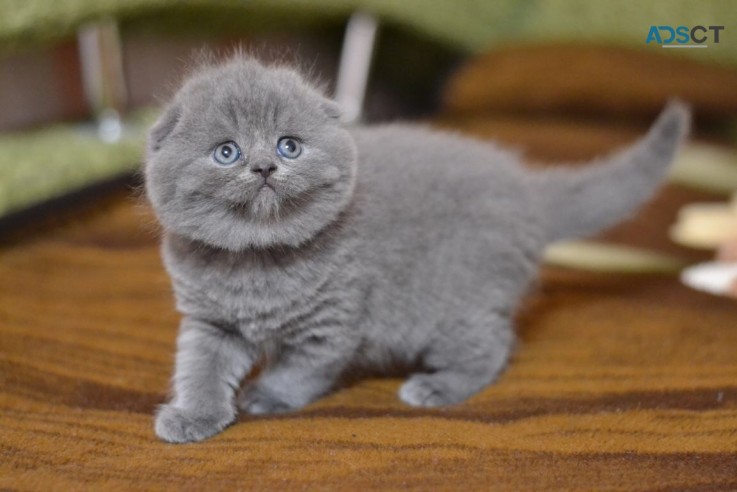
x,y
578,202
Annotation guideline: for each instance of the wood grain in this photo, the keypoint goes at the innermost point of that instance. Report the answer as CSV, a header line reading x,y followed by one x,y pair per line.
x,y
619,383
589,80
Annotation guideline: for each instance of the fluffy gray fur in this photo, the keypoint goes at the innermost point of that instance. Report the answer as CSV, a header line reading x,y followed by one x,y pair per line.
x,y
378,247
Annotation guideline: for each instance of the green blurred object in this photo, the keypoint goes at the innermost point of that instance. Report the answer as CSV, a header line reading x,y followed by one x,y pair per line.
x,y
708,167
473,25
612,258
42,164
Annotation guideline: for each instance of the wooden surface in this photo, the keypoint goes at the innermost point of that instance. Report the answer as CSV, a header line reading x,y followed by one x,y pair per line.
x,y
618,383
587,79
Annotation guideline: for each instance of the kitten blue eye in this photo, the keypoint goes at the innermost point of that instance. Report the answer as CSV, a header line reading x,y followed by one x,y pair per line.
x,y
289,147
227,153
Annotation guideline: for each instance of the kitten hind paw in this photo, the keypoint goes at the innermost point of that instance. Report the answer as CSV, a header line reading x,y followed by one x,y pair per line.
x,y
425,390
257,402
177,425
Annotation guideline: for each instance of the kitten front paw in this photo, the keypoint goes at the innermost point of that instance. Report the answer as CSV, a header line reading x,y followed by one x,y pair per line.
x,y
257,402
178,425
424,390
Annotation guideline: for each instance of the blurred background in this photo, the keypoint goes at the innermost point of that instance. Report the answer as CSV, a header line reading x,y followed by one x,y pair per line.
x,y
564,80
624,378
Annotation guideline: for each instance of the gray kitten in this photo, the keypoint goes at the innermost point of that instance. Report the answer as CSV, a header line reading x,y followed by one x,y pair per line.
x,y
312,250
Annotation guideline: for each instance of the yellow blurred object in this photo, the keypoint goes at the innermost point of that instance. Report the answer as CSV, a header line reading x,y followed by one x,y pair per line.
x,y
599,257
706,225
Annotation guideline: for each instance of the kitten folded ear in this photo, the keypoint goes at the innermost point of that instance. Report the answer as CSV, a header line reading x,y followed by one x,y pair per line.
x,y
332,109
163,127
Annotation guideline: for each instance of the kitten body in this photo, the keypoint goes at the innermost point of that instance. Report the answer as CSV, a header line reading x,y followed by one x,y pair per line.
x,y
376,248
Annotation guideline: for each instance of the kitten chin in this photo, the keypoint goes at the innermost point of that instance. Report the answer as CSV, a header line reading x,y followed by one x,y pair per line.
x,y
265,204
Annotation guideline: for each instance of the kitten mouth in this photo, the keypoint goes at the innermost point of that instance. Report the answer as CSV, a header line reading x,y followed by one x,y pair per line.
x,y
267,185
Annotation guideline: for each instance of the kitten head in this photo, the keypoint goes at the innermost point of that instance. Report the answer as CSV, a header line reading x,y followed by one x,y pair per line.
x,y
249,156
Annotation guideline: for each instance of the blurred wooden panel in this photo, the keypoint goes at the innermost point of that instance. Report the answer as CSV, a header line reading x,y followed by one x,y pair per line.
x,y
591,80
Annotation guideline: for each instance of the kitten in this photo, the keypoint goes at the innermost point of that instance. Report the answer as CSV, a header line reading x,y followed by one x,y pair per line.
x,y
312,249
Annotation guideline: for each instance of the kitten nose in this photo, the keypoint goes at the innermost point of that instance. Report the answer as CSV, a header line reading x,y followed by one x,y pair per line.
x,y
265,169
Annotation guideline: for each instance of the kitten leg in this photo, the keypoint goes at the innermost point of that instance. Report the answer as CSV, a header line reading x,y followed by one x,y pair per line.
x,y
460,362
210,364
303,373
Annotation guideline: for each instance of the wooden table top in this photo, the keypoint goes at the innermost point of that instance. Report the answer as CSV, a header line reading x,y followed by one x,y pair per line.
x,y
619,382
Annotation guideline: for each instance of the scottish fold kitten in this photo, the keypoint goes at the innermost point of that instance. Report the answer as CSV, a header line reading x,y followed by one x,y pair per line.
x,y
311,250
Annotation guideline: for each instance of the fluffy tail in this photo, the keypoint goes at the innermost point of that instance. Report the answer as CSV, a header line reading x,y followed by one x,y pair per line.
x,y
579,202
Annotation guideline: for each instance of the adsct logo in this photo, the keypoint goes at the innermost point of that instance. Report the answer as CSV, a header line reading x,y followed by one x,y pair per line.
x,y
684,36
